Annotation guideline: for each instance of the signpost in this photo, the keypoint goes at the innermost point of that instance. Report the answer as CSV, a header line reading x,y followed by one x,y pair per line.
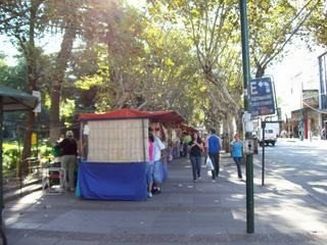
x,y
248,134
262,100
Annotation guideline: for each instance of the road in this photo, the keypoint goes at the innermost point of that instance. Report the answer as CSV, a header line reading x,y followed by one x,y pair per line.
x,y
303,163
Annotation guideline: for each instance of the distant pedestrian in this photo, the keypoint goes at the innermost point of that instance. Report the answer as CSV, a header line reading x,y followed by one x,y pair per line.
x,y
68,148
158,174
237,153
196,149
324,132
213,148
150,164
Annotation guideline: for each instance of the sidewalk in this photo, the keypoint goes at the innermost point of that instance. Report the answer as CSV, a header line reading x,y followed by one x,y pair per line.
x,y
184,213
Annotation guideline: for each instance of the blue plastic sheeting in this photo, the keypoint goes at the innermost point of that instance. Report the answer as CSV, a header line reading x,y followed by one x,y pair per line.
x,y
112,181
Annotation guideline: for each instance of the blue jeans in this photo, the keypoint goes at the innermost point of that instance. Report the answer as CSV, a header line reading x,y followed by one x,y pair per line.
x,y
158,175
149,172
237,161
196,166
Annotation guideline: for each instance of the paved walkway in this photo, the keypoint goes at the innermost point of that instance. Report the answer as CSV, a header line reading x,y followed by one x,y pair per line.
x,y
184,213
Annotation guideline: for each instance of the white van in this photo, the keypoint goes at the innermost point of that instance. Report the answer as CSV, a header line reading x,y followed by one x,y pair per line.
x,y
271,134
270,137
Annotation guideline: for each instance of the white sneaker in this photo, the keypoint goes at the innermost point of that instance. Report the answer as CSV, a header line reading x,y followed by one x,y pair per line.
x,y
149,194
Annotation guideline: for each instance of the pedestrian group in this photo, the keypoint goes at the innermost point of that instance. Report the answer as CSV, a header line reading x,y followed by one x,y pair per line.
x,y
191,145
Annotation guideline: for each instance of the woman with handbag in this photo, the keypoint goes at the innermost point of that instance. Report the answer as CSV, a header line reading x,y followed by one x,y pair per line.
x,y
196,148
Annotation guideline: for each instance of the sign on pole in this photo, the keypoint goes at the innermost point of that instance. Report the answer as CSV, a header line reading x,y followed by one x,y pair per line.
x,y
262,97
37,94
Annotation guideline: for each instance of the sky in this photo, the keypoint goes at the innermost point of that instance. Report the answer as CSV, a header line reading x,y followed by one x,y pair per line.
x,y
298,69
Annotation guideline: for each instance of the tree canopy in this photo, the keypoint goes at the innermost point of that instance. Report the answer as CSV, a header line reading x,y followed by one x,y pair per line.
x,y
179,54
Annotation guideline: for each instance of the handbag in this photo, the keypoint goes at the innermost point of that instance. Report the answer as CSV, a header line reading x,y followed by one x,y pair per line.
x,y
209,164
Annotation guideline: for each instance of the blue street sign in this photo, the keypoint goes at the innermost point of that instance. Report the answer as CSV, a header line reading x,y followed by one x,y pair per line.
x,y
262,96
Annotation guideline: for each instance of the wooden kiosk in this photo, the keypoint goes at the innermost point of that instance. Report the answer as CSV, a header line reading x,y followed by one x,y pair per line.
x,y
114,152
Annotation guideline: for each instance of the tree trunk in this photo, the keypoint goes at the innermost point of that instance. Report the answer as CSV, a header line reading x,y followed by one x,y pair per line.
x,y
260,71
55,112
27,143
58,77
29,50
239,125
227,134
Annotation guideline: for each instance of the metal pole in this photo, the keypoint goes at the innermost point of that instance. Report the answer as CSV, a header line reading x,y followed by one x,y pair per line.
x,y
3,235
263,126
246,79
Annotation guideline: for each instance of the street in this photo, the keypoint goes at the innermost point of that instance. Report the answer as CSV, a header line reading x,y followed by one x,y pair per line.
x,y
290,209
302,163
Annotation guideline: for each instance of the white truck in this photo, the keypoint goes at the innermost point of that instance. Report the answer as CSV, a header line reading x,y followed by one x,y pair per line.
x,y
271,134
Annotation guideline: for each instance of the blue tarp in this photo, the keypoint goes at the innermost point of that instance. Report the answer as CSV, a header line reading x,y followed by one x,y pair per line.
x,y
112,181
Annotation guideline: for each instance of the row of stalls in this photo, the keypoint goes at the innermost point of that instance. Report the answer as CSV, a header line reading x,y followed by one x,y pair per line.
x,y
114,151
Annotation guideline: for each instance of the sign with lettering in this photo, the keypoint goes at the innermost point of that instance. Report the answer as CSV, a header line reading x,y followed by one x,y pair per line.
x,y
262,100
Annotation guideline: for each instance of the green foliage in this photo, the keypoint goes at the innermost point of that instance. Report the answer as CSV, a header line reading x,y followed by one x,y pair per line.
x,y
11,156
67,110
272,25
45,151
180,54
317,24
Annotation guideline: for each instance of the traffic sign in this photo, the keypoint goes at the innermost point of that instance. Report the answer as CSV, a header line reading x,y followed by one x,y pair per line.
x,y
262,97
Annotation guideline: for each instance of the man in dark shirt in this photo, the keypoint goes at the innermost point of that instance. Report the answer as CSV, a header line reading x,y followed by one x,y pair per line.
x,y
69,152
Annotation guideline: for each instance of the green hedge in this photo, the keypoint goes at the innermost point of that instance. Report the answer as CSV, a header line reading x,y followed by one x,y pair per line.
x,y
11,154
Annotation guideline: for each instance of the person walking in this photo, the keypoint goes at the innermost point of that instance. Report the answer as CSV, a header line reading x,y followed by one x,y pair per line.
x,y
158,174
196,149
213,147
150,164
237,153
68,148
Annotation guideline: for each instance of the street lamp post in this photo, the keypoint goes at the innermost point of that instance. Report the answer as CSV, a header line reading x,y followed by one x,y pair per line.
x,y
248,136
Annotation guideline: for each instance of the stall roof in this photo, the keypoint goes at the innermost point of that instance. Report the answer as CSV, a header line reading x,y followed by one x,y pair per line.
x,y
166,116
188,128
160,116
15,100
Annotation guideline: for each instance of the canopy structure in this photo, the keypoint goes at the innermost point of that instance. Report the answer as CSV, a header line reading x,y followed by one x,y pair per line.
x,y
11,100
126,113
15,100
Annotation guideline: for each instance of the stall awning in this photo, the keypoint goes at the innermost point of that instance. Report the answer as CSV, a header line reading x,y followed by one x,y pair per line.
x,y
187,128
14,100
167,116
159,116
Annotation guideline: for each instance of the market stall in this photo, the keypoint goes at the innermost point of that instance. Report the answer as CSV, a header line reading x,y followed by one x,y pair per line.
x,y
114,152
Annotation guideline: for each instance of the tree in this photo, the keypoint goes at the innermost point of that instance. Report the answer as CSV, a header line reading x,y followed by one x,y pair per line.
x,y
272,26
66,16
317,23
211,25
137,63
23,22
